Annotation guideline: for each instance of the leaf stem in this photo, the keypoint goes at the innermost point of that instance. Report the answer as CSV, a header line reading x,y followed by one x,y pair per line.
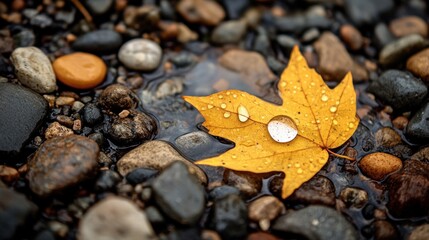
x,y
341,156
82,10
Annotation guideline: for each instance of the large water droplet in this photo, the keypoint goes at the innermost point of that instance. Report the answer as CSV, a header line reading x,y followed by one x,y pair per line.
x,y
282,129
243,114
325,98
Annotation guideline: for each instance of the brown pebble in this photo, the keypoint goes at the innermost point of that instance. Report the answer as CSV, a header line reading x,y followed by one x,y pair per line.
x,y
378,165
385,230
62,101
55,129
420,233
206,12
65,120
387,137
117,97
418,64
77,125
354,197
400,122
265,208
351,36
210,235
124,114
408,25
261,236
8,174
50,99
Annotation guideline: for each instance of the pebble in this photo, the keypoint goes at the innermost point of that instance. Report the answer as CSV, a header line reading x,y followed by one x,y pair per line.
x,y
16,213
22,113
228,217
300,23
382,35
400,122
409,190
115,218
24,38
141,175
248,183
422,155
169,87
387,137
55,129
316,223
420,233
261,236
63,101
99,41
351,37
287,42
179,194
401,49
155,155
418,64
135,128
33,69
223,191
99,7
50,171
229,32
318,190
117,97
91,114
262,43
366,12
107,180
251,66
234,9
378,165
140,55
77,106
194,143
205,12
144,18
418,127
385,230
399,89
8,174
80,70
265,209
405,26
354,197
334,60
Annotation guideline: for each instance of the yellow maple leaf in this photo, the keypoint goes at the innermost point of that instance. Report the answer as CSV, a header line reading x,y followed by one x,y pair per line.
x,y
294,138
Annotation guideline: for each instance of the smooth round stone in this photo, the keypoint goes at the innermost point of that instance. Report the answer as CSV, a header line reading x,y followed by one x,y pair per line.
x,y
229,32
34,69
418,64
115,218
100,41
378,165
400,49
408,25
140,54
62,162
80,70
418,127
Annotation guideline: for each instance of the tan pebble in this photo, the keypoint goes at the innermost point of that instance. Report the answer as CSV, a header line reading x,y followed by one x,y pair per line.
x,y
124,114
77,125
408,25
80,70
378,165
400,122
206,12
55,129
420,233
65,120
267,207
418,64
387,137
62,101
8,174
50,99
70,37
351,36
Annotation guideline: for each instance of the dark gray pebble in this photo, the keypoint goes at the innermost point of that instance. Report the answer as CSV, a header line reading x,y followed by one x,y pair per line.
x,y
418,127
179,194
140,175
366,12
99,41
399,89
234,9
107,180
99,7
91,114
223,191
22,113
316,223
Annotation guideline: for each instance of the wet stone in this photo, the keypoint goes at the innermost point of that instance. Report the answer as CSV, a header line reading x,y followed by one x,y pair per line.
x,y
194,143
419,233
170,87
33,69
298,24
228,217
107,180
378,165
418,127
319,190
408,25
316,222
387,137
206,12
418,64
261,236
98,138
409,190
399,89
248,183
99,7
144,18
155,155
130,222
366,12
354,197
117,97
8,174
154,216
385,230
401,49
229,32
49,170
422,155
179,194
351,36
135,128
223,191
55,129
141,175
22,112
334,60
382,35
265,208
24,38
234,9
140,54
16,213
91,114
99,41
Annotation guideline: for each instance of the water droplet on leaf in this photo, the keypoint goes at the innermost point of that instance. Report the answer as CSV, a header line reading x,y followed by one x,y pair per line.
x,y
324,98
209,106
226,114
223,105
282,129
243,114
333,109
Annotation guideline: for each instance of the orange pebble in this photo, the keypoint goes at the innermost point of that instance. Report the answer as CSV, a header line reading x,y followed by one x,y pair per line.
x,y
80,70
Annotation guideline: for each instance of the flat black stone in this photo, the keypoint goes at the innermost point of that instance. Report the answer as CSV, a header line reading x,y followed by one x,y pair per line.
x,y
21,114
418,127
99,41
